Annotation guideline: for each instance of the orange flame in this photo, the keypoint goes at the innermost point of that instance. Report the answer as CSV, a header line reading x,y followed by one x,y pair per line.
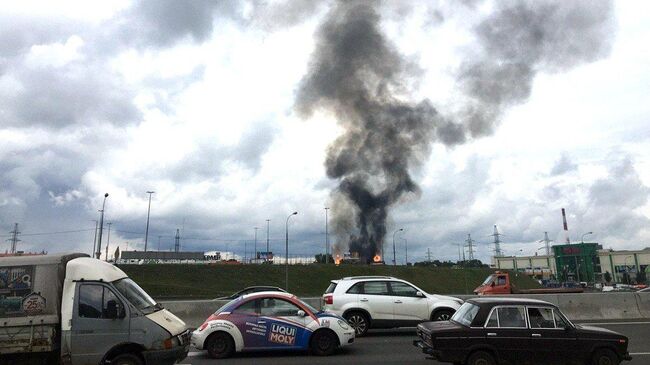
x,y
377,258
337,260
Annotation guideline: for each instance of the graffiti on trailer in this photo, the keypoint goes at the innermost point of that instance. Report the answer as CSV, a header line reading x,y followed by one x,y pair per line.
x,y
15,284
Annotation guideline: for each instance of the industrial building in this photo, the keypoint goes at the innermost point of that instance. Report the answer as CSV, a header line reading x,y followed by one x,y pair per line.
x,y
579,262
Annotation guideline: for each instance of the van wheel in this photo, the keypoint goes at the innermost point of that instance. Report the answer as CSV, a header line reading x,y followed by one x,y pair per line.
x,y
126,359
481,358
324,343
605,357
442,315
359,322
220,345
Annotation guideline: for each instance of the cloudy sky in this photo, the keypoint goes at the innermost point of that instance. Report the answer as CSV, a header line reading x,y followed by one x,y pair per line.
x,y
200,102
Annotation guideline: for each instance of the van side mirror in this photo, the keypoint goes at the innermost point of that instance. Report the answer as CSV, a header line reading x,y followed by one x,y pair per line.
x,y
114,310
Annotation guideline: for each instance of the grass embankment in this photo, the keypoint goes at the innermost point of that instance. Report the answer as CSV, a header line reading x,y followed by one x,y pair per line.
x,y
210,281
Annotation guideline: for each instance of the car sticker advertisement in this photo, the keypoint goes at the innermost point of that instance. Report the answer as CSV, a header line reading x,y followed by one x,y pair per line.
x,y
255,329
283,334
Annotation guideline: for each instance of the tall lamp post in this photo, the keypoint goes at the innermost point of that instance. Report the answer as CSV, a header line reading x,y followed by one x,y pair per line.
x,y
286,253
268,221
582,239
101,226
146,232
399,230
406,250
327,244
94,239
108,239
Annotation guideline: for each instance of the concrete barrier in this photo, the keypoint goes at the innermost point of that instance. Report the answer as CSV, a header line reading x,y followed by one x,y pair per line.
x,y
584,306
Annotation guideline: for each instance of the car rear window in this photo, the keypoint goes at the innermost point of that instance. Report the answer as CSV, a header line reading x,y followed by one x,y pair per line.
x,y
330,289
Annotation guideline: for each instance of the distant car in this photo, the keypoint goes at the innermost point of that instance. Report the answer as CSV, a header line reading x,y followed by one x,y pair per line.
x,y
385,302
490,331
646,290
271,321
250,290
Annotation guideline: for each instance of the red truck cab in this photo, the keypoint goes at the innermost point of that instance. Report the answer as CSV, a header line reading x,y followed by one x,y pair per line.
x,y
495,284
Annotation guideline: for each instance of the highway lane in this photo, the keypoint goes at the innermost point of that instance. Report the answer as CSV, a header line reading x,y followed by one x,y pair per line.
x,y
395,347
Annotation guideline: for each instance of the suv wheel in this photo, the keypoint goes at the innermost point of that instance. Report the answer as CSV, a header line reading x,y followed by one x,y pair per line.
x,y
359,322
442,315
605,357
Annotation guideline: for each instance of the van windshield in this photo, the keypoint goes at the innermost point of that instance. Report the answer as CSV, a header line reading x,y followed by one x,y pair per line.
x,y
136,296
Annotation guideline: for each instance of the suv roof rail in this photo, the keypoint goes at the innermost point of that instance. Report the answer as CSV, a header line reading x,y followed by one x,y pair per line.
x,y
367,277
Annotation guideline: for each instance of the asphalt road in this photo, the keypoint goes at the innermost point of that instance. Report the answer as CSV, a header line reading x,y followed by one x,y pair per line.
x,y
395,347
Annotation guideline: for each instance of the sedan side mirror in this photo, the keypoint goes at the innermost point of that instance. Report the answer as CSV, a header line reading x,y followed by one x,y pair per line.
x,y
301,313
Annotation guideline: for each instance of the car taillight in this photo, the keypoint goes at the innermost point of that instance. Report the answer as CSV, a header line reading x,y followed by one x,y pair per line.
x,y
329,299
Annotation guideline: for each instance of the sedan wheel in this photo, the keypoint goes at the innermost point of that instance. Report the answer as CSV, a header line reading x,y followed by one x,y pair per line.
x,y
359,322
481,358
220,345
605,357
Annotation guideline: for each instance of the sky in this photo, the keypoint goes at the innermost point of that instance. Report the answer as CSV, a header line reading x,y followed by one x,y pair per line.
x,y
204,103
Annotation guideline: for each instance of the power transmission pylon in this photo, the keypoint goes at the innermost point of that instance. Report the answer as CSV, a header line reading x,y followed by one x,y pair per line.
x,y
470,247
497,242
14,238
547,244
177,244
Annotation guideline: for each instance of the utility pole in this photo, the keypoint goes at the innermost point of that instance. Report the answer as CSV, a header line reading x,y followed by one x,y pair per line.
x,y
177,244
146,232
14,238
255,252
497,242
327,244
159,237
94,240
428,254
268,221
108,239
547,243
470,247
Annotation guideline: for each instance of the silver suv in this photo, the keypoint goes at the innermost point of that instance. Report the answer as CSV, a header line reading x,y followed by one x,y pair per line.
x,y
385,302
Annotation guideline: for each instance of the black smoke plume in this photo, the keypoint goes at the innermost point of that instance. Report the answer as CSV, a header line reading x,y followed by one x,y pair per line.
x,y
358,75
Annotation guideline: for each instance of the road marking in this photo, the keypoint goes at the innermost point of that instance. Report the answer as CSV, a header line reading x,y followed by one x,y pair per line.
x,y
639,353
194,353
610,323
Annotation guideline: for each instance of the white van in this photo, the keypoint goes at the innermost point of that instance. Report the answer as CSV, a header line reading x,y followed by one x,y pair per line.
x,y
73,309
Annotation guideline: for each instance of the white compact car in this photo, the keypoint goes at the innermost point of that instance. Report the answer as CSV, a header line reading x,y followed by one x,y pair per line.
x,y
385,302
271,321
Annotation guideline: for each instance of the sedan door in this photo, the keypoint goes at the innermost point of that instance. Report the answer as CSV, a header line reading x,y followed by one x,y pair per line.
x,y
408,307
551,342
508,333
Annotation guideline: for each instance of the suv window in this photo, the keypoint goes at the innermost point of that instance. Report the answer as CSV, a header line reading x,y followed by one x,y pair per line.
x,y
375,288
356,289
331,288
402,289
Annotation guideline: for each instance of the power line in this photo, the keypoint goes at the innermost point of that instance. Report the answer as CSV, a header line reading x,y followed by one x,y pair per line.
x,y
47,233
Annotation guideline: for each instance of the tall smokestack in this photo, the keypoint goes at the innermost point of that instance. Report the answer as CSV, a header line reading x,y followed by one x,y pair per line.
x,y
357,75
566,227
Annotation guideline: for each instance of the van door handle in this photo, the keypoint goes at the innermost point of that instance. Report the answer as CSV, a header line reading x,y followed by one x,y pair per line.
x,y
491,334
536,335
363,300
398,302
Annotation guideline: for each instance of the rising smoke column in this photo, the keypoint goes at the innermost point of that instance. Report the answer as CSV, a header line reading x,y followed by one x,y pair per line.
x,y
358,75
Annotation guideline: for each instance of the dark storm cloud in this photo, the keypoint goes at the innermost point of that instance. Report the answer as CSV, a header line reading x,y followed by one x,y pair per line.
x,y
358,75
563,165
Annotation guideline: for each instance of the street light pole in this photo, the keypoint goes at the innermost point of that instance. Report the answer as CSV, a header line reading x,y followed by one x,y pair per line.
x,y
146,232
267,239
582,239
399,230
255,252
406,248
286,253
98,253
327,245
